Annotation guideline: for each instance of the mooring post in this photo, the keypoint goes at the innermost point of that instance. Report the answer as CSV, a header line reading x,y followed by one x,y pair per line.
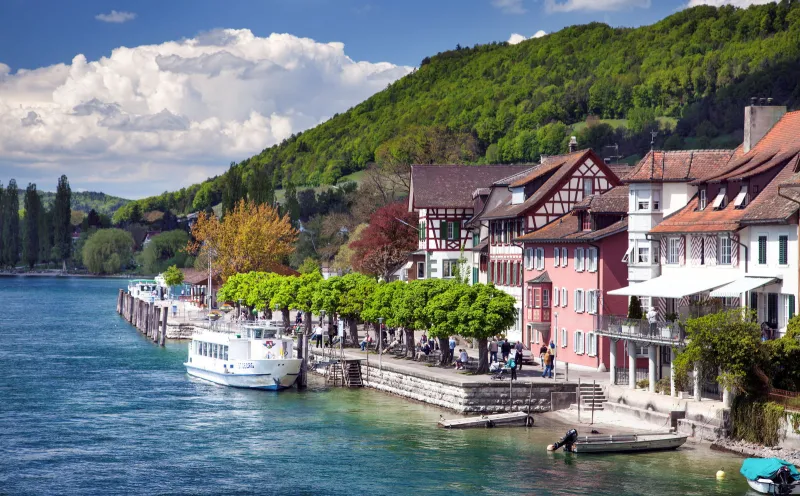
x,y
578,399
510,398
302,380
593,390
164,314
154,319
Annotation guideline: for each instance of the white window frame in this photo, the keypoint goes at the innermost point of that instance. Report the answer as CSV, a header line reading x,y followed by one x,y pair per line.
x,y
590,182
579,301
449,264
646,246
703,201
719,200
451,231
720,258
592,258
556,257
564,257
785,316
673,251
642,200
540,258
591,301
421,264
579,260
545,298
529,258
563,297
556,294
656,201
591,344
564,337
741,198
578,343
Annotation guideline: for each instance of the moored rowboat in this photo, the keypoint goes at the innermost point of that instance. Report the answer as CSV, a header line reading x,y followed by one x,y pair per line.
x,y
626,443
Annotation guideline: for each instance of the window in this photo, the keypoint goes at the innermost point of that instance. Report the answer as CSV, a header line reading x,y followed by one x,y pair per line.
x,y
476,239
579,303
673,250
453,230
563,297
588,187
420,270
702,250
724,257
449,268
563,337
529,258
520,273
762,249
556,252
643,253
719,201
545,298
514,273
783,246
703,199
741,198
579,259
540,258
591,344
537,301
591,301
564,258
577,343
506,273
225,352
555,297
215,352
642,201
586,221
475,275
656,200
592,259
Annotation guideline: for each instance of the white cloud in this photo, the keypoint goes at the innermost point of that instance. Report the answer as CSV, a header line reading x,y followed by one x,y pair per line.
x,y
156,117
116,17
509,6
735,3
516,38
593,5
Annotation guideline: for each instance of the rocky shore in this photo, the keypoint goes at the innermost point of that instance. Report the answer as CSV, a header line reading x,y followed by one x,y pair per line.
x,y
756,450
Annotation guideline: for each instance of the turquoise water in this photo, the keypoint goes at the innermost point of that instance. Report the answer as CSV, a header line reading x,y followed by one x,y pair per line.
x,y
88,406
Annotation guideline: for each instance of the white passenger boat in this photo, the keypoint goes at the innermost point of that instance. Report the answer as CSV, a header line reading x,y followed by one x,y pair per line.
x,y
143,289
250,356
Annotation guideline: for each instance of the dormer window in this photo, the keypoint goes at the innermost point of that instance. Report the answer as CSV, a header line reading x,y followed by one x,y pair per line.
x,y
741,199
719,201
586,221
517,195
703,199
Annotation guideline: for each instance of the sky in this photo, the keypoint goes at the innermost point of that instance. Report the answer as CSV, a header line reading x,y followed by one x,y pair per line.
x,y
134,98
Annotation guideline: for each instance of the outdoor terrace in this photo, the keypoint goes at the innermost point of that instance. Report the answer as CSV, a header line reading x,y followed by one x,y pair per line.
x,y
619,327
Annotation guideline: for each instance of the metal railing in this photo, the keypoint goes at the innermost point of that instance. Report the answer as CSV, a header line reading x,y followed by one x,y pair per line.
x,y
789,399
622,376
639,330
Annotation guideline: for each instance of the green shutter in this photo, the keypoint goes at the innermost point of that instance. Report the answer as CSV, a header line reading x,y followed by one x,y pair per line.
x,y
783,242
791,306
457,230
443,230
474,275
762,250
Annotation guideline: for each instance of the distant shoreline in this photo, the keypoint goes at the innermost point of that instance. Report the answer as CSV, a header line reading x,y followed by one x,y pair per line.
x,y
80,276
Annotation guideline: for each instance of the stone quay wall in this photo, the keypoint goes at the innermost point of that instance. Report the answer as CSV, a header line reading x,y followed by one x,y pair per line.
x,y
462,397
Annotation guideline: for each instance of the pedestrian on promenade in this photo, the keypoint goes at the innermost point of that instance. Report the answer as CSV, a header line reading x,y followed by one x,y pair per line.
x,y
423,339
493,348
652,319
318,335
513,366
518,356
506,349
463,358
452,348
548,360
542,353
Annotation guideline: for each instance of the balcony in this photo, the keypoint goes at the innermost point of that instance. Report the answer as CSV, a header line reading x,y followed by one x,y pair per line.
x,y
618,327
538,317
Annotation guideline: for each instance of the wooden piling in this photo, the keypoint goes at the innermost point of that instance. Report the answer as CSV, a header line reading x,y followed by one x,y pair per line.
x,y
164,313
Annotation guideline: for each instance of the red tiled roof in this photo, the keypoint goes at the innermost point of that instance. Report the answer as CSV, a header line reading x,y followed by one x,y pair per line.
x,y
678,166
621,170
548,165
568,229
613,201
451,186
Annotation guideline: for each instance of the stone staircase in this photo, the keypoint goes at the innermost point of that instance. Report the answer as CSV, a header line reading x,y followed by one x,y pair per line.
x,y
591,397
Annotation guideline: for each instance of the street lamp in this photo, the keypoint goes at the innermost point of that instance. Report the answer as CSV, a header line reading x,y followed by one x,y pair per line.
x,y
380,344
321,333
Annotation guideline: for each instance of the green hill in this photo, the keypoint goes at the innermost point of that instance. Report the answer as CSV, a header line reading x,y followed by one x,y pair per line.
x,y
83,201
510,103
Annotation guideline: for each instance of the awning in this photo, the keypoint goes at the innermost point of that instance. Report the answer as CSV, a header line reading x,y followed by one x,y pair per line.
x,y
742,285
408,265
674,285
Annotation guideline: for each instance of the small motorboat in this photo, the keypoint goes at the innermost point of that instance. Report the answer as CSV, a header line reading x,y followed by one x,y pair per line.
x,y
771,476
618,443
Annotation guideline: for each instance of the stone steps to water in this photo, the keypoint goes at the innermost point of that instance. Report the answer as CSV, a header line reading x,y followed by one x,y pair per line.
x,y
590,397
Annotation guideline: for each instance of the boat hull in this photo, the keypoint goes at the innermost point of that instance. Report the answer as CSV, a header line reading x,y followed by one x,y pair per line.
x,y
282,375
631,446
766,486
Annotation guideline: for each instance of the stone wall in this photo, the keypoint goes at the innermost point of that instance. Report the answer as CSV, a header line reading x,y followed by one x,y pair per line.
x,y
179,331
468,397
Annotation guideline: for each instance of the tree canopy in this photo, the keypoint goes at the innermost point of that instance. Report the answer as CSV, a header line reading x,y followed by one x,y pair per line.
x,y
107,251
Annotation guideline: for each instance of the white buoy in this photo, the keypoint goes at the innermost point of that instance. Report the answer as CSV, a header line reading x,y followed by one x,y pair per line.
x,y
550,447
720,474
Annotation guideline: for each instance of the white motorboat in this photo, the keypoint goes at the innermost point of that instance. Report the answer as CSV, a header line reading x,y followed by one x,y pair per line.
x,y
143,289
771,476
619,443
250,356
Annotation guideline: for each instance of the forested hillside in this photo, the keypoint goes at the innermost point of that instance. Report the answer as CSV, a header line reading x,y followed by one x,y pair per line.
x,y
85,201
511,103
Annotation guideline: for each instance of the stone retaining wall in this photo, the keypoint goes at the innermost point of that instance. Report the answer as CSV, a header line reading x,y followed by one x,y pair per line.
x,y
179,331
477,397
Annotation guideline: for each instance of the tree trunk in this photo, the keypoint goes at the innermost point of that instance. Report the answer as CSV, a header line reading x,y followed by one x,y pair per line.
x,y
483,356
353,331
411,350
285,313
444,346
307,323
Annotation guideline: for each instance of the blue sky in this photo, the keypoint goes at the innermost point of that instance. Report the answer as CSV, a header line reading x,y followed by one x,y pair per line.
x,y
203,83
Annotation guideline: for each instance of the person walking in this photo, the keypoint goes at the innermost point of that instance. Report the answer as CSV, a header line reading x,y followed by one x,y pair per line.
x,y
548,367
452,346
513,366
518,355
505,348
652,319
542,353
318,335
493,350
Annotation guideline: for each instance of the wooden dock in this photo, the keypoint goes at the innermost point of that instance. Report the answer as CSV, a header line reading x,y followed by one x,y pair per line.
x,y
512,419
148,318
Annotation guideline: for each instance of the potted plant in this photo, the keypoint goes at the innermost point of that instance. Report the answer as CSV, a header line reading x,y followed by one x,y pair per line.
x,y
634,316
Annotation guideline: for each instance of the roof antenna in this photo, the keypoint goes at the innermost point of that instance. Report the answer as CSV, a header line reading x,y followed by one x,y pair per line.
x,y
653,135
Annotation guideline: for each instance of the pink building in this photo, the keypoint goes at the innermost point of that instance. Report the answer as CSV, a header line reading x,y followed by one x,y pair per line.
x,y
570,265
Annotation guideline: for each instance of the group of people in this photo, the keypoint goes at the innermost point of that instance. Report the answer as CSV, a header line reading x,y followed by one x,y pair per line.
x,y
547,355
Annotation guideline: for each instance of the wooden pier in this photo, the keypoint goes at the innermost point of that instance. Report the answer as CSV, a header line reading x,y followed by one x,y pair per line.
x,y
147,317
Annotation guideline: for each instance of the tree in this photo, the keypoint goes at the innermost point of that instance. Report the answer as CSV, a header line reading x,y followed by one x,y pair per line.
x,y
261,189
233,191
306,288
45,226
2,225
308,266
173,276
490,311
386,241
355,292
107,251
383,304
33,206
11,225
292,205
250,238
164,250
93,219
415,313
635,308
343,261
62,214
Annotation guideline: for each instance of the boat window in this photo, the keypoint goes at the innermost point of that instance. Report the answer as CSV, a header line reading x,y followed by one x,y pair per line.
x,y
216,351
257,333
225,353
205,349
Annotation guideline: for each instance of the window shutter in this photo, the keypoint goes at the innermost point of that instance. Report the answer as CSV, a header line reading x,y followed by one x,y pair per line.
x,y
564,257
575,343
555,296
575,300
783,242
442,229
663,251
564,297
457,230
791,306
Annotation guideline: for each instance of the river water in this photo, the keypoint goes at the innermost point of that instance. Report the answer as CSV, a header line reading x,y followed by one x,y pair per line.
x,y
88,406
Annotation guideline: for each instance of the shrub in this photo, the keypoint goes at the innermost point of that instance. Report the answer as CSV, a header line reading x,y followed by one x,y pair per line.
x,y
643,384
635,308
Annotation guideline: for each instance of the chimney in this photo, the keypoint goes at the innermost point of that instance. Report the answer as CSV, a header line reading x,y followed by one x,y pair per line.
x,y
573,144
759,119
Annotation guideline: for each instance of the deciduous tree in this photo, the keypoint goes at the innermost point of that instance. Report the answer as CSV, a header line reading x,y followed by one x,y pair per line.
x,y
107,251
33,205
62,214
173,276
11,225
386,241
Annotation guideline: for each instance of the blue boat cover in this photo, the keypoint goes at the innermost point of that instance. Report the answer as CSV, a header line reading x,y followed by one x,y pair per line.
x,y
765,468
